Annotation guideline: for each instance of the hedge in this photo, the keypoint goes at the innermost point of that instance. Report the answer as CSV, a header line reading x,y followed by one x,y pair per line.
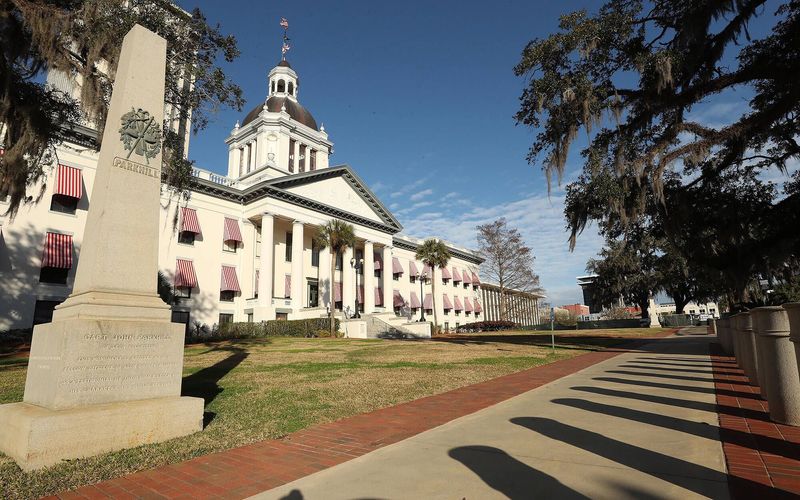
x,y
487,326
276,328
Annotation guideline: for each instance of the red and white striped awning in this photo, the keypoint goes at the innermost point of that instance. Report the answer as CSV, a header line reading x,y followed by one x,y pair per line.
x,y
446,274
68,182
427,302
467,305
229,282
465,276
414,301
412,269
475,280
184,274
231,231
456,276
446,304
397,268
478,307
457,304
57,251
337,291
378,297
378,261
398,299
189,221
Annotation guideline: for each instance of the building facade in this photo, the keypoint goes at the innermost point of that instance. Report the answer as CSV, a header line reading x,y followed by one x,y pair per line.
x,y
242,247
522,307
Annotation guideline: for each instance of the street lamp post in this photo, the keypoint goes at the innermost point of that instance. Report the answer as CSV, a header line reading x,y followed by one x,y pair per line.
x,y
422,294
354,264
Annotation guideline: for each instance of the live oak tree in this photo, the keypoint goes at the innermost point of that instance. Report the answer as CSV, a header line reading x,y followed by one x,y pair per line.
x,y
630,76
434,254
508,260
337,236
82,39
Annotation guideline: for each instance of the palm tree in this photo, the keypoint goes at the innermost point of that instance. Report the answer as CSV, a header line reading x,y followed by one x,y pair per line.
x,y
433,253
337,236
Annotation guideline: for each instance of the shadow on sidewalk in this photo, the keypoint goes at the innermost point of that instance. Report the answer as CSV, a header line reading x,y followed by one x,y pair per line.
x,y
640,366
509,476
673,387
660,375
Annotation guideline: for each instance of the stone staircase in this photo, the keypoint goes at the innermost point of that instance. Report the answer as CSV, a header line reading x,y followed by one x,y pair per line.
x,y
387,326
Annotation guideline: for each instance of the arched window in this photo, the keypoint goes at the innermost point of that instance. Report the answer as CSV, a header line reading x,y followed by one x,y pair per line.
x,y
281,86
291,88
273,86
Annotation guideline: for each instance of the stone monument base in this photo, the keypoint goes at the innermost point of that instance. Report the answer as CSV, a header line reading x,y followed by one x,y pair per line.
x,y
37,437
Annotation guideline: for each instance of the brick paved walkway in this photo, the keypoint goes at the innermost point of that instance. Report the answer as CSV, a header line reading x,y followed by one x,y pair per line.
x,y
757,451
245,471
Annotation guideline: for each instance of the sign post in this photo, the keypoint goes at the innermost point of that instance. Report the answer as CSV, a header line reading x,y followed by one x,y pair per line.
x,y
552,331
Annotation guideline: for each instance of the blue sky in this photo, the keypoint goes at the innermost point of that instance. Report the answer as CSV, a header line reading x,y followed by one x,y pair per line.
x,y
419,98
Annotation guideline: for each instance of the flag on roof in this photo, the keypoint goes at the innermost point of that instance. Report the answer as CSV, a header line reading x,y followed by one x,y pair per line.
x,y
285,48
284,23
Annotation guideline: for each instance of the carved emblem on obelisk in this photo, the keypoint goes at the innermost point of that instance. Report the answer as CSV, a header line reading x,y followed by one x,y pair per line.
x,y
140,134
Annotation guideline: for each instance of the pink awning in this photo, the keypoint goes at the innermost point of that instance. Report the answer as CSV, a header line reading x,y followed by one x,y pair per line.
x,y
398,299
287,286
412,269
378,261
426,270
475,280
378,297
229,281
68,182
467,305
446,304
457,304
427,302
57,251
446,274
465,276
231,231
397,268
184,274
414,301
456,276
337,291
189,221
478,307
255,291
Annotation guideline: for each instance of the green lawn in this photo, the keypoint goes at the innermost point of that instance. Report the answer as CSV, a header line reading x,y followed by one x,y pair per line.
x,y
267,388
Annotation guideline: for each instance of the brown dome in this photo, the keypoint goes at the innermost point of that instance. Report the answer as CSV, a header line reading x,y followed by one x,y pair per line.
x,y
294,108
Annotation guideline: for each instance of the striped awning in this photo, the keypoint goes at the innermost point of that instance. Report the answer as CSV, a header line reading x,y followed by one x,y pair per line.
x,y
231,231
412,269
427,302
57,251
414,301
397,268
184,274
456,276
467,305
475,280
478,307
426,270
68,182
189,221
398,299
465,276
337,291
446,304
457,304
446,274
378,296
229,281
377,261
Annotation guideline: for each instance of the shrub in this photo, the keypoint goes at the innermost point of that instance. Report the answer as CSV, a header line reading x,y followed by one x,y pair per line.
x,y
275,328
487,326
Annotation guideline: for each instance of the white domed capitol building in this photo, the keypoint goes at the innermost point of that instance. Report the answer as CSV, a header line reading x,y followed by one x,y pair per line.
x,y
243,248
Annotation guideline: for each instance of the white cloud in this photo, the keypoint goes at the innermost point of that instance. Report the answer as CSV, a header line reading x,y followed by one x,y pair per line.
x,y
411,187
421,194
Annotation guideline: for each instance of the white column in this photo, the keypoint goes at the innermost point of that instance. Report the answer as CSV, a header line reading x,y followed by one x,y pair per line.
x,y
388,279
265,264
369,278
298,279
436,281
348,291
325,280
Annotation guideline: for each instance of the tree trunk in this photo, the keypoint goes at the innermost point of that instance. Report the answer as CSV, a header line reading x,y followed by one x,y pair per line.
x,y
433,301
645,306
331,298
680,303
503,307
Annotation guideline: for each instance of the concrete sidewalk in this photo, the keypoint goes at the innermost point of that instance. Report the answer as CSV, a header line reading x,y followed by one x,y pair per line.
x,y
639,425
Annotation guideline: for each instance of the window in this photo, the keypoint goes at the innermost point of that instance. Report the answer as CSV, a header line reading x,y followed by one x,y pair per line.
x,y
377,273
64,204
466,285
55,275
302,159
339,261
258,243
447,326
249,317
226,295
313,293
273,86
43,311
291,155
281,86
457,324
291,88
225,318
288,247
412,278
396,277
183,292
230,246
282,316
312,160
314,254
186,237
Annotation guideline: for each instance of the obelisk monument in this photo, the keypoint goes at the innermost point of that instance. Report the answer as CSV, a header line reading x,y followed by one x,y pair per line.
x,y
106,373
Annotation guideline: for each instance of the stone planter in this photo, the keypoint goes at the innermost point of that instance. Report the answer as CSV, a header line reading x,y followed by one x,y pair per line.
x,y
793,310
748,362
779,368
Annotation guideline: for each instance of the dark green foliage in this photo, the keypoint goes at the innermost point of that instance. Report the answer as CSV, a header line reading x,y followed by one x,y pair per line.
x,y
487,326
165,290
275,328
